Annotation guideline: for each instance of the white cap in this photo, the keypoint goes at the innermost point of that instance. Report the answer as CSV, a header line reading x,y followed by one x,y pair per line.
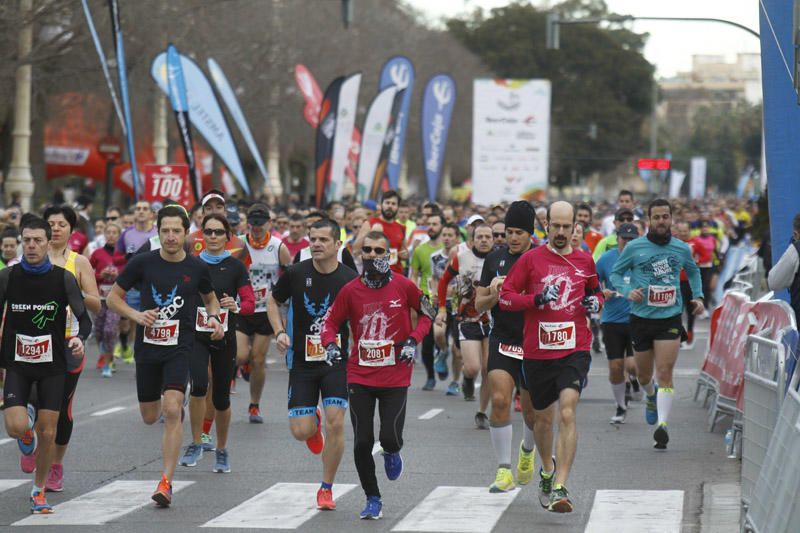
x,y
475,218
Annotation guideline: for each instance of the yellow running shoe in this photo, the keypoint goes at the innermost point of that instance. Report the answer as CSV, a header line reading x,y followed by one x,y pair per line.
x,y
503,482
127,355
525,463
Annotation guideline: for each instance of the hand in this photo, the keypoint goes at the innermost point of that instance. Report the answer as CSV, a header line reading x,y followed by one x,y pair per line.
x,y
218,332
636,295
333,354
497,283
146,318
228,303
608,293
408,351
548,294
77,347
441,318
402,253
591,303
284,341
699,307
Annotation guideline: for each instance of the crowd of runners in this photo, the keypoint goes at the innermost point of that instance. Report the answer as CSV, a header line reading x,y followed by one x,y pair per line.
x,y
503,306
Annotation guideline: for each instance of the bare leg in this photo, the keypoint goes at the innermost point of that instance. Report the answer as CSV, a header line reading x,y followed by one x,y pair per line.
x,y
567,441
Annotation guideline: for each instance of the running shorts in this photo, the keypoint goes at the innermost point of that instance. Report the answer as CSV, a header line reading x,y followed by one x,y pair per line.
x,y
472,331
306,385
646,330
152,379
500,361
546,378
255,324
617,338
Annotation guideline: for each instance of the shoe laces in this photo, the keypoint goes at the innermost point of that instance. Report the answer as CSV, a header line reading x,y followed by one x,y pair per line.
x,y
164,485
222,455
192,448
502,473
254,411
545,481
560,492
525,459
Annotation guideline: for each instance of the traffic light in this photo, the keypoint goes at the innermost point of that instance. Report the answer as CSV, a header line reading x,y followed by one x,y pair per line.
x,y
551,30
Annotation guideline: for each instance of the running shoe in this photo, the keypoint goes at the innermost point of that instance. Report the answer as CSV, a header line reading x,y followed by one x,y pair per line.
x,y
546,485
27,443
101,362
525,462
468,387
163,494
650,410
27,463
208,443
430,383
661,437
55,479
373,509
517,403
244,371
127,355
193,453
106,371
317,441
222,464
596,345
481,420
440,364
393,464
619,417
325,500
453,389
255,414
39,503
559,500
503,481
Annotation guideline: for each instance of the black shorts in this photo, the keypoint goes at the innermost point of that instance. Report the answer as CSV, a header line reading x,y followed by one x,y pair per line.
x,y
546,378
472,331
49,390
646,330
153,378
500,361
306,385
617,338
255,324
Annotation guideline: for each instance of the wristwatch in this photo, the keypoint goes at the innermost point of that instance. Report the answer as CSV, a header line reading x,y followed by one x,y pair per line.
x,y
219,321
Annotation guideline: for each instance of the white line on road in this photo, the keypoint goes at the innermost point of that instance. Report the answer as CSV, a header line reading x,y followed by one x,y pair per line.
x,y
6,441
457,510
282,506
100,506
678,372
636,511
8,484
109,411
427,415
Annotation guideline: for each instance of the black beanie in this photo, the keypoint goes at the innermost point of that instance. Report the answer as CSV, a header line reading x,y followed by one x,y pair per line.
x,y
521,215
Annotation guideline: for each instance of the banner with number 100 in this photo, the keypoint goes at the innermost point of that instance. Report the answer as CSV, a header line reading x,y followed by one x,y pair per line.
x,y
167,181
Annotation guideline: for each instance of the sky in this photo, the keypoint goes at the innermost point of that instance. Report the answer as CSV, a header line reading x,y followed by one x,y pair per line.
x,y
671,44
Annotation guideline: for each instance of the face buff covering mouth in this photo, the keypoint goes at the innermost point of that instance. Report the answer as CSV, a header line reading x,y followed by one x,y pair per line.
x,y
376,272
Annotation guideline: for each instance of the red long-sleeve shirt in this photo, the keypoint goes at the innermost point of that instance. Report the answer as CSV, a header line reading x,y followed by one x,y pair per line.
x,y
380,321
561,327
101,259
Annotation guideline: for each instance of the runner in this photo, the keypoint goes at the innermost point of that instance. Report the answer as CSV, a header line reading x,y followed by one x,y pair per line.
x,y
310,287
389,226
584,217
473,325
213,202
264,255
499,234
230,280
172,281
377,305
505,351
35,296
655,264
296,239
683,233
442,334
616,327
9,246
555,286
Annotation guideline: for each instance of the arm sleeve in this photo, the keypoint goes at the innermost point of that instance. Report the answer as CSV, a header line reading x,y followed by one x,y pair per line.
x,y
693,273
75,299
5,274
449,273
413,295
247,299
334,318
511,294
593,284
782,273
204,285
131,274
486,274
622,265
348,261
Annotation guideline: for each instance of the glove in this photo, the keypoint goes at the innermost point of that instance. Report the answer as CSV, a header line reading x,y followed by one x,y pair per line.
x,y
333,354
548,294
408,350
591,303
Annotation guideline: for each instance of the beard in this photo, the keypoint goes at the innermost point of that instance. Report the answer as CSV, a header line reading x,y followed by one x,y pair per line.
x,y
388,214
434,236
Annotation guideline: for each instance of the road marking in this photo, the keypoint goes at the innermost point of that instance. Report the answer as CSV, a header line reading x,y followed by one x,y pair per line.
x,y
108,411
429,414
636,511
282,506
721,507
6,441
678,372
102,505
457,509
8,484
376,448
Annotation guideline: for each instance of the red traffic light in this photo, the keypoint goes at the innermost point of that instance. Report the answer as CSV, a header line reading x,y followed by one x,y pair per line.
x,y
653,164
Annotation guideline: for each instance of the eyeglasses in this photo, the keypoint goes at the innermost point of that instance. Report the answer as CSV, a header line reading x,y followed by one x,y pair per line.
x,y
208,232
111,219
625,219
370,249
498,235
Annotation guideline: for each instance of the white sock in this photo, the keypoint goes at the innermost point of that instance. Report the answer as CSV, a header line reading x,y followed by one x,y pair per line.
x,y
528,441
649,389
664,404
501,442
619,393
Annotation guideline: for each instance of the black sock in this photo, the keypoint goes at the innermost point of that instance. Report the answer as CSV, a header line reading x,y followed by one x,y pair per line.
x,y
123,340
253,405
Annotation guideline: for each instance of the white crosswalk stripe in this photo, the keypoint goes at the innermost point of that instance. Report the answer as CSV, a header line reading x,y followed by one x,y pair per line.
x,y
8,484
101,506
282,506
427,415
636,511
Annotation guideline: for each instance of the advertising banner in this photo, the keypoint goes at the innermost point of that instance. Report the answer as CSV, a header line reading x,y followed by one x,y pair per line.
x,y
697,183
177,98
168,181
510,138
437,110
398,72
323,153
380,180
345,121
375,126
676,178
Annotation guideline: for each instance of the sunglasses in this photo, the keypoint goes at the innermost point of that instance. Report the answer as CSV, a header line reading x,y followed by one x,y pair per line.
x,y
111,219
498,235
625,219
369,249
218,232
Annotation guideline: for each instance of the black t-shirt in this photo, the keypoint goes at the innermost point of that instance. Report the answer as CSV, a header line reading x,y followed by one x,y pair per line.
x,y
227,277
174,289
507,326
347,258
311,294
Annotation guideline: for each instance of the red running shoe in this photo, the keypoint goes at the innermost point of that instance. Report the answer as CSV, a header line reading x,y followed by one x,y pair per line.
x,y
317,441
163,494
325,500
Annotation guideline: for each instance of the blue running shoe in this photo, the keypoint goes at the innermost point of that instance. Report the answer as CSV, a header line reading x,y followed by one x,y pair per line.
x,y
222,466
27,443
193,453
373,509
393,464
651,410
440,364
430,383
454,389
208,443
39,504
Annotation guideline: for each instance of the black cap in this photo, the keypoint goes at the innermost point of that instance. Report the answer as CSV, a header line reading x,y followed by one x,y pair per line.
x,y
258,214
520,215
621,212
628,231
232,214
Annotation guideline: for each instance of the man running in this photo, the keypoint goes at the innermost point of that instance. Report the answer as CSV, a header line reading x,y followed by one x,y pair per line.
x,y
171,281
387,224
655,264
310,287
378,306
555,286
442,334
35,296
505,351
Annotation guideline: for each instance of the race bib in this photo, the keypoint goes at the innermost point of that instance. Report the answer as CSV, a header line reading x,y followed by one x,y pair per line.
x,y
661,296
315,351
392,256
261,294
556,335
162,333
33,349
105,290
201,322
510,350
375,353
